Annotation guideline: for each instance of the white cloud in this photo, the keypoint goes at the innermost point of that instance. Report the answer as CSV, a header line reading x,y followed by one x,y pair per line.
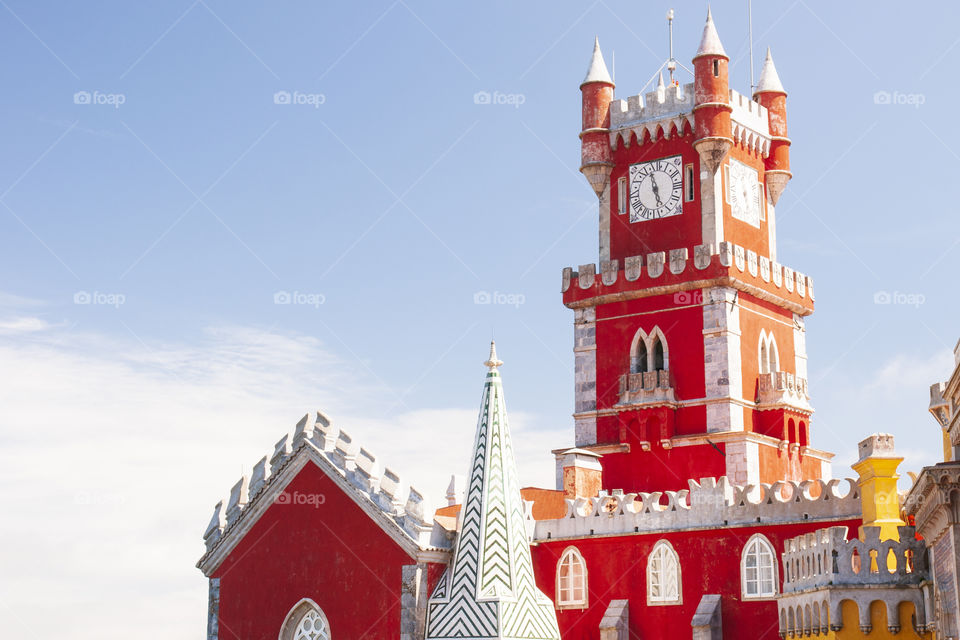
x,y
114,453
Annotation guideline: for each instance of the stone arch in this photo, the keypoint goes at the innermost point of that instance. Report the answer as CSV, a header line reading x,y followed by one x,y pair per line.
x,y
305,621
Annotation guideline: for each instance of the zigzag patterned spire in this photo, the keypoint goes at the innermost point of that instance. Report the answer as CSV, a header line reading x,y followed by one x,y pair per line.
x,y
488,591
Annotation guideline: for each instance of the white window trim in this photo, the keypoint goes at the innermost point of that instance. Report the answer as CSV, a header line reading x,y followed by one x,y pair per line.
x,y
690,188
664,544
578,557
761,539
767,347
623,196
296,614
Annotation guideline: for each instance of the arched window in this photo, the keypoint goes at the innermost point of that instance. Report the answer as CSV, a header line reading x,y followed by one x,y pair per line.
x,y
571,580
663,575
649,352
758,568
769,356
640,358
657,355
305,621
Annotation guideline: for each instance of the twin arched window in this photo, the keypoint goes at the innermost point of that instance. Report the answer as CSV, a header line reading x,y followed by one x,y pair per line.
x,y
758,568
769,356
305,621
649,352
571,580
663,575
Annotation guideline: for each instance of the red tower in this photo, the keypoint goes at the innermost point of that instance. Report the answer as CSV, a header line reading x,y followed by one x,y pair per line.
x,y
689,338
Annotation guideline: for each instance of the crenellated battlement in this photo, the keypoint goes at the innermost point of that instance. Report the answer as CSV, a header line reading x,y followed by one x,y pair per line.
x,y
825,557
377,487
769,276
710,503
823,571
656,114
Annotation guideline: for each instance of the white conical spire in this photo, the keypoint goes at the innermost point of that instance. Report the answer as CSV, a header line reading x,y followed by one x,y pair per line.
x,y
769,78
660,85
597,72
489,590
710,42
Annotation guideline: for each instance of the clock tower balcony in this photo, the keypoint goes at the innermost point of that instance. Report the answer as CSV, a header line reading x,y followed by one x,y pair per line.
x,y
647,387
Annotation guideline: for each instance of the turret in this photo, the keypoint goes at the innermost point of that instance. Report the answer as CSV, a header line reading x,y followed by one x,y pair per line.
x,y
770,94
711,98
596,92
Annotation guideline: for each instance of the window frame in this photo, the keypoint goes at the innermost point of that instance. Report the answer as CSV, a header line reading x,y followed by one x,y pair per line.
x,y
759,541
576,558
293,619
663,549
689,190
623,195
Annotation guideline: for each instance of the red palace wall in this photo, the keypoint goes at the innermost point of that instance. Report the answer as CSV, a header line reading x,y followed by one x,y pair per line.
x,y
332,553
709,563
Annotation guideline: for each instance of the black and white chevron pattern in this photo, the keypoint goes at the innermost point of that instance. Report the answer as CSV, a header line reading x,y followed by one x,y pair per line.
x,y
489,590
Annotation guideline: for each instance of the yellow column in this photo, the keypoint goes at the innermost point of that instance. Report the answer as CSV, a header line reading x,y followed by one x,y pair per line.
x,y
877,469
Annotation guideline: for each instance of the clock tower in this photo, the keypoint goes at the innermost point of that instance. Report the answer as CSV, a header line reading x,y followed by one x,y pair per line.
x,y
689,334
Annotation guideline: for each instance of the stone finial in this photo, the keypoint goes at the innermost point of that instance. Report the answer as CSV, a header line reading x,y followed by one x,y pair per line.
x,y
493,363
876,445
455,490
217,523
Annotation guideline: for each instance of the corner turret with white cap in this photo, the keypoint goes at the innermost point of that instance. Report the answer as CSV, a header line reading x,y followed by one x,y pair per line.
x,y
596,93
711,98
770,94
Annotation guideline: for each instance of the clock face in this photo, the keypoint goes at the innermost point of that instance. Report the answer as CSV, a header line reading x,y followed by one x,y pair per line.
x,y
743,192
656,189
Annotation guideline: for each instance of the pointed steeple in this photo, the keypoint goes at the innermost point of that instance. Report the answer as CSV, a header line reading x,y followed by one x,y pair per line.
x,y
769,78
660,86
710,42
488,590
597,71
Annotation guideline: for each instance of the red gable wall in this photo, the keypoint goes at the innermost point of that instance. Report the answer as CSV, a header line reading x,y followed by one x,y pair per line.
x,y
326,549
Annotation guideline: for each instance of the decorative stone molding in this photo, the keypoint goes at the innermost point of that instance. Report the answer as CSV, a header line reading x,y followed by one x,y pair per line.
x,y
710,503
780,388
823,568
616,620
678,261
707,621
655,263
648,387
632,267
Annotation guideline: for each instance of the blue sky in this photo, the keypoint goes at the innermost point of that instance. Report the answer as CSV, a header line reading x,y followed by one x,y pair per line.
x,y
383,203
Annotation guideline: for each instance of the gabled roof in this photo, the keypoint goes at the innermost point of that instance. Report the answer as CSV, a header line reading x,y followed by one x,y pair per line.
x,y
354,470
488,590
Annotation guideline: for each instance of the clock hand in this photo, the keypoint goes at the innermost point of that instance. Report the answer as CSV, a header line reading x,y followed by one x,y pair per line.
x,y
656,191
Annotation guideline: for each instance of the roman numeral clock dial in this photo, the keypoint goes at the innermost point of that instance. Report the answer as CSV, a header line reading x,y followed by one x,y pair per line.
x,y
656,189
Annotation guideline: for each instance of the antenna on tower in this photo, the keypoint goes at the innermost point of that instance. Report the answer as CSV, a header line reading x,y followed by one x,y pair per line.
x,y
750,35
614,78
671,62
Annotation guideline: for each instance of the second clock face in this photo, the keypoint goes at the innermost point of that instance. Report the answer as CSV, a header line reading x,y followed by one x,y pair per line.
x,y
656,189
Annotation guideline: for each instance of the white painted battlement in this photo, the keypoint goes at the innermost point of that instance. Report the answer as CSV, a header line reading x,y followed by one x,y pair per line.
x,y
677,261
749,113
826,558
378,487
711,503
654,105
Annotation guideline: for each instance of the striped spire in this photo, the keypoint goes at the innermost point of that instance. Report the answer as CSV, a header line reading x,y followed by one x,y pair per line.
x,y
488,591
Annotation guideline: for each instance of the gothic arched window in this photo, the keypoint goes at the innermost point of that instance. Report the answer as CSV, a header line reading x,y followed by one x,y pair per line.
x,y
663,575
571,580
305,621
758,568
769,357
657,355
640,358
